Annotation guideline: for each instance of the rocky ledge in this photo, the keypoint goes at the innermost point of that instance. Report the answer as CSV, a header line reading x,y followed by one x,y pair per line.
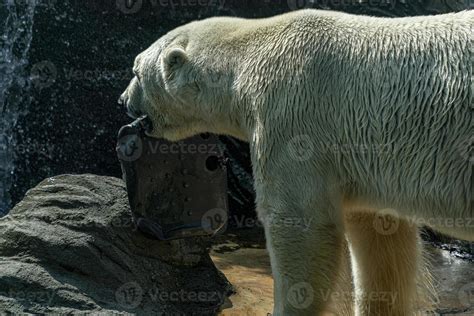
x,y
70,247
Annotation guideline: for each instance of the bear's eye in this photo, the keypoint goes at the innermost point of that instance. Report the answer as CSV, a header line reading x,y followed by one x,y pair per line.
x,y
137,75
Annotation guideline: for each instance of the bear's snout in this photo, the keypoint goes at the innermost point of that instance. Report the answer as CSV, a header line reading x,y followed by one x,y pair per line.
x,y
131,112
131,98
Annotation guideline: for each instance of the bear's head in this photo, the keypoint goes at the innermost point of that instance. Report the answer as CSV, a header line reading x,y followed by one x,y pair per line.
x,y
184,84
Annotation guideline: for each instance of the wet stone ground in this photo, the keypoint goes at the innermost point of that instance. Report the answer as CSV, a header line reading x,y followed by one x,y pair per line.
x,y
242,257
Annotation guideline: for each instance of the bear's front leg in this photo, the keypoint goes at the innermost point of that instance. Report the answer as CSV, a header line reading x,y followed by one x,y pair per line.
x,y
305,247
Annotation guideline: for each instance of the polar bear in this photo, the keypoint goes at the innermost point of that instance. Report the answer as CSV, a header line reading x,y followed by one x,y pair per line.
x,y
358,126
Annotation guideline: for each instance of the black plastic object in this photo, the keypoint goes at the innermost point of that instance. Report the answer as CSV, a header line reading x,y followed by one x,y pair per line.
x,y
175,190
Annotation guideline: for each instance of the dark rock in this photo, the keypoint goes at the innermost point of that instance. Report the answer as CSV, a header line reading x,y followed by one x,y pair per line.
x,y
458,248
70,246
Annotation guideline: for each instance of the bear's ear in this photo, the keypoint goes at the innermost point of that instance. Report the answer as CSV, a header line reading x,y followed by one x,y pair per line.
x,y
174,59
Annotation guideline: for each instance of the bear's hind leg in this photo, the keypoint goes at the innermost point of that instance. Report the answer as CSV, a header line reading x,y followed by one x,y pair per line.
x,y
386,254
305,260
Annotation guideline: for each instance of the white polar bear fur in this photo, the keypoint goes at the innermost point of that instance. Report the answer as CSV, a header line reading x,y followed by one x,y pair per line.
x,y
330,84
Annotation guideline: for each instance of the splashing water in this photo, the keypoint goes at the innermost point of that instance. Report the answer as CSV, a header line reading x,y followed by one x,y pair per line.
x,y
16,25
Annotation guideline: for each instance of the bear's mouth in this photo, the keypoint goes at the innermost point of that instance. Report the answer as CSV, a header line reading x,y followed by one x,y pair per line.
x,y
140,118
132,112
145,124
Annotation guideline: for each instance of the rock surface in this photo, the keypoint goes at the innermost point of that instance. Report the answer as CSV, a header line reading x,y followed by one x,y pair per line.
x,y
71,247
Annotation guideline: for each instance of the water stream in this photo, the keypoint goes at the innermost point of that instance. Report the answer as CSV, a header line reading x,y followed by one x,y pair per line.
x,y
16,31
